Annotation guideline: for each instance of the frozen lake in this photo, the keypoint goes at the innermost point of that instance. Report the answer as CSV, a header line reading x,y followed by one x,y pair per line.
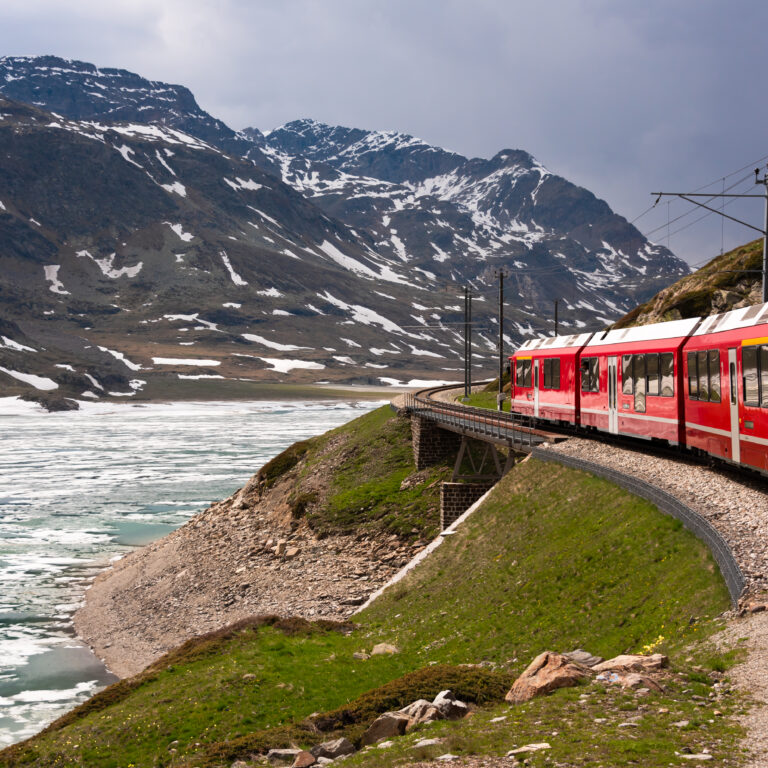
x,y
80,488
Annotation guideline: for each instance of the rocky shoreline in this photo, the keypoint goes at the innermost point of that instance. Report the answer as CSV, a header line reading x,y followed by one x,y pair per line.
x,y
244,556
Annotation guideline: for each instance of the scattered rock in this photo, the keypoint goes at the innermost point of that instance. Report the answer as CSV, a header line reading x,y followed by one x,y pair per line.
x,y
304,760
334,749
633,663
361,655
528,748
381,649
353,601
700,756
547,672
385,745
426,743
447,757
282,756
680,723
291,552
387,725
422,711
450,706
586,659
630,680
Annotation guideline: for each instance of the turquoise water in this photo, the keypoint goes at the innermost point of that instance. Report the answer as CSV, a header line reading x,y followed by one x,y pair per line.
x,y
78,489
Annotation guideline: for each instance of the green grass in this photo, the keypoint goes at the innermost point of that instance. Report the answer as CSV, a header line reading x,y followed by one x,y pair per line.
x,y
370,466
554,560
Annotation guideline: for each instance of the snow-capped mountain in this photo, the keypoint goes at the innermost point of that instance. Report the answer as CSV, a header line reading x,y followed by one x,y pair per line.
x,y
143,242
461,219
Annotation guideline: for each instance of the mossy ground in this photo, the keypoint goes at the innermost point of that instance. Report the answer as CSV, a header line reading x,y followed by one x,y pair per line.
x,y
369,466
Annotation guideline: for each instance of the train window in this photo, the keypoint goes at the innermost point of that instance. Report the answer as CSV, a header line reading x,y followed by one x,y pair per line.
x,y
639,371
749,371
693,377
552,373
626,375
523,373
666,370
701,359
652,372
590,374
714,375
764,376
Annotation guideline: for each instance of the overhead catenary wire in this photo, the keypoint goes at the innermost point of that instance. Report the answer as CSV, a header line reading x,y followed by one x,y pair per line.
x,y
704,186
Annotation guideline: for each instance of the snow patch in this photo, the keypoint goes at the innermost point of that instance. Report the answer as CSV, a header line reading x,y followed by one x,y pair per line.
x,y
272,344
284,366
183,361
236,279
52,276
122,358
176,188
38,382
107,266
179,230
14,345
272,292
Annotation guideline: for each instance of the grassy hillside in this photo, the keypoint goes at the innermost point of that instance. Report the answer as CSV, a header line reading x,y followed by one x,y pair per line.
x,y
554,560
724,283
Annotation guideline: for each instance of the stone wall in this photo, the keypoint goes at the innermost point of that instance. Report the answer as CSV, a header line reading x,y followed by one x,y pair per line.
x,y
431,445
457,498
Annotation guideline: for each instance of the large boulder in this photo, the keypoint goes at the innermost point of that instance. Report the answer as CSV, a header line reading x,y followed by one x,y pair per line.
x,y
387,725
633,663
422,711
547,672
450,706
333,749
282,756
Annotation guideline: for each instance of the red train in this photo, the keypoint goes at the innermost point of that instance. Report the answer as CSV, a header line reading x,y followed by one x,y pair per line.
x,y
700,383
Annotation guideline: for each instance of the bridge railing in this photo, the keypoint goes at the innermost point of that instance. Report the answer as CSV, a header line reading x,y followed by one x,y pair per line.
x,y
515,429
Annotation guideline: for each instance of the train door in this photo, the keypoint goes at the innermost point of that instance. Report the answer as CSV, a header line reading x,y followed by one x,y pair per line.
x,y
613,408
733,397
536,388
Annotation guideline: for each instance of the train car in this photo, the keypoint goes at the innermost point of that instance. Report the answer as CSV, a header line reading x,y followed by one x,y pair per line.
x,y
726,387
631,381
544,376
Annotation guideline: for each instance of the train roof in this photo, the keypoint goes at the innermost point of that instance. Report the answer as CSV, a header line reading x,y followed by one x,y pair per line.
x,y
555,342
674,329
744,317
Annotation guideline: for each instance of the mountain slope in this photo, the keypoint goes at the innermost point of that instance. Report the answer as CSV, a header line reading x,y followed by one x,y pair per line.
x,y
148,242
133,220
463,218
729,281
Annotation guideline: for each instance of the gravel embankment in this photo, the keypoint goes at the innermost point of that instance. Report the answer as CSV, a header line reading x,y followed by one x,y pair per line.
x,y
735,505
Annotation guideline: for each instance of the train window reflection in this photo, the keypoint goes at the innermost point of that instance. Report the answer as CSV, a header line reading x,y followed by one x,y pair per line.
x,y
666,370
626,375
693,377
652,372
714,375
749,371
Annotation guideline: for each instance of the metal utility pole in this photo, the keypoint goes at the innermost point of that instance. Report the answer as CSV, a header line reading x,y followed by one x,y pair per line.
x,y
556,303
467,343
764,182
500,397
688,197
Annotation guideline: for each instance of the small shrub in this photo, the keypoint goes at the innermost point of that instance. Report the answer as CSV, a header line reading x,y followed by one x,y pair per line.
x,y
273,470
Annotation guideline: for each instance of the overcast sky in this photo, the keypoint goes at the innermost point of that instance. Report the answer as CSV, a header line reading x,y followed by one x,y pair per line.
x,y
623,97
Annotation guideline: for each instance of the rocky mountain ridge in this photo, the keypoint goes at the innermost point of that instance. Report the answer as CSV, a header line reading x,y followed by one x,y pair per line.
x,y
141,234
